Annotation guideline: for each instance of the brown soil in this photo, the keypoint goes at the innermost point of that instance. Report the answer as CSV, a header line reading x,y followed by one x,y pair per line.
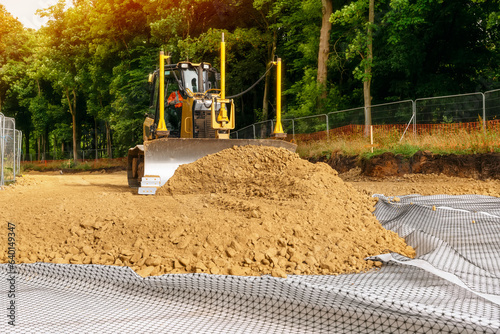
x,y
242,211
422,184
478,166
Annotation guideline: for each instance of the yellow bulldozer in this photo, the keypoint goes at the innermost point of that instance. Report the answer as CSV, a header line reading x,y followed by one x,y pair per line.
x,y
190,118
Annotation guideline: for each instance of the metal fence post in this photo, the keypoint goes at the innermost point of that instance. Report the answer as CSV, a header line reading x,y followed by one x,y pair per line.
x,y
484,112
414,111
492,104
253,126
327,128
19,135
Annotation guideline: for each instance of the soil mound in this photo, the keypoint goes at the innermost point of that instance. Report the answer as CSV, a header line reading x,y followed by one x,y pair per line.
x,y
271,212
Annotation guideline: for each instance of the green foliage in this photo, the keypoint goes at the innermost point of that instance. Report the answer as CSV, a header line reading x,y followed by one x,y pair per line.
x,y
306,92
352,19
93,59
27,166
432,48
68,164
406,150
83,166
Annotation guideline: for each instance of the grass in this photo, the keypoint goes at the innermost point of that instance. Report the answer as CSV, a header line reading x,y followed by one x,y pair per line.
x,y
456,142
89,165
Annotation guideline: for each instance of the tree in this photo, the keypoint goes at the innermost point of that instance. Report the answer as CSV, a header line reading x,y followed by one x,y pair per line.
x,y
89,65
360,44
63,53
16,45
268,10
432,48
324,45
12,48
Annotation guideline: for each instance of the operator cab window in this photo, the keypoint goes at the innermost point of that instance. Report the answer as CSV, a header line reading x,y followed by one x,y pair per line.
x,y
191,79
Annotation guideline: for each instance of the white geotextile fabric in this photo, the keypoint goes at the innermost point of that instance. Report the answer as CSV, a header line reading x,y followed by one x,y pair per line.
x,y
461,239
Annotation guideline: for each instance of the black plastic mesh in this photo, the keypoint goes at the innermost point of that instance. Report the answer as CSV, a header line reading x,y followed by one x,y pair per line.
x,y
398,298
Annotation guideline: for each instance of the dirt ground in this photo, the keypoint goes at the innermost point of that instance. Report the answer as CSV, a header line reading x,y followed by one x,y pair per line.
x,y
269,216
422,184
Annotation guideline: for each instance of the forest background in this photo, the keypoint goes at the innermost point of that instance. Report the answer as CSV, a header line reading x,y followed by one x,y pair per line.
x,y
80,82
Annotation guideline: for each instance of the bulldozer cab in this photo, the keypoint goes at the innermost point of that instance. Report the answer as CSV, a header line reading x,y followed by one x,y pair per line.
x,y
198,78
188,92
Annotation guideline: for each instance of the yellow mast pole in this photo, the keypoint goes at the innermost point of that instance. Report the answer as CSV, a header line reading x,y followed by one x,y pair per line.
x,y
161,123
222,117
223,68
278,129
222,124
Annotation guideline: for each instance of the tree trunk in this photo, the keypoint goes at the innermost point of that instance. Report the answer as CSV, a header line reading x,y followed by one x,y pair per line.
x,y
42,147
95,137
368,69
72,110
26,134
54,147
75,153
46,143
324,45
38,148
108,140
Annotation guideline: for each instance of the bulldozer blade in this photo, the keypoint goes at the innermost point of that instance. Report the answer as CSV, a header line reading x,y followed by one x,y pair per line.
x,y
163,156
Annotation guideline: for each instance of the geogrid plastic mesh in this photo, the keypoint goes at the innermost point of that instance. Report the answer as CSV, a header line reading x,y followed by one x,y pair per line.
x,y
461,237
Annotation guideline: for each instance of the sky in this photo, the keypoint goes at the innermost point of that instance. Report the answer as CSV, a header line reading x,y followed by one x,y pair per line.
x,y
24,10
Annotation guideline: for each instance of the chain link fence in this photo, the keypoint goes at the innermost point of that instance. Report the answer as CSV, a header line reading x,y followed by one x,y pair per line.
x,y
469,111
450,109
257,130
492,104
19,151
10,150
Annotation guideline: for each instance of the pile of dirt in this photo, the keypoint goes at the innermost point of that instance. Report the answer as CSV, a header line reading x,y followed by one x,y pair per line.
x,y
243,211
277,214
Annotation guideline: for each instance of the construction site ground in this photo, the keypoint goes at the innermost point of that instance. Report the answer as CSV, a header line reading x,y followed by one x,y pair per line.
x,y
421,184
70,218
300,245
